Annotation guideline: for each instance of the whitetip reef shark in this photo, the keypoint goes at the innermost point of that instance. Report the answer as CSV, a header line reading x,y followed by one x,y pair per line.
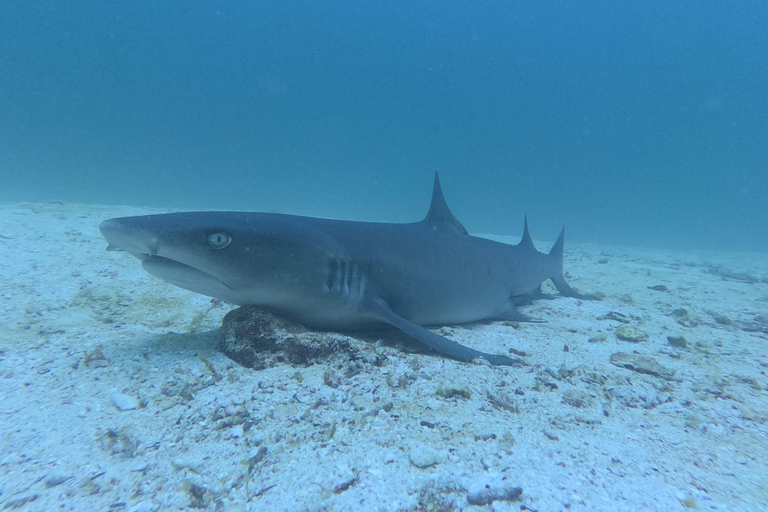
x,y
340,275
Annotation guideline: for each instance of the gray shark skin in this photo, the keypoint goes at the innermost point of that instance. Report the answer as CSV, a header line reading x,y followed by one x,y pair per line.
x,y
338,275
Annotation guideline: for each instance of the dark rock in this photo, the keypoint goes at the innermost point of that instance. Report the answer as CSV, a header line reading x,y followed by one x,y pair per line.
x,y
257,339
488,494
630,333
615,315
720,318
677,341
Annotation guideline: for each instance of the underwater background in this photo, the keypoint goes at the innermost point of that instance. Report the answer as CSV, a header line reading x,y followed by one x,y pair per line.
x,y
631,123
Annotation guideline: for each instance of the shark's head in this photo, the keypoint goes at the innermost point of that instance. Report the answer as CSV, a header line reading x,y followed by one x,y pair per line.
x,y
241,258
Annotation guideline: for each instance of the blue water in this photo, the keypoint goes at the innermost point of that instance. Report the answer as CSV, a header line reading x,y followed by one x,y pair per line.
x,y
642,123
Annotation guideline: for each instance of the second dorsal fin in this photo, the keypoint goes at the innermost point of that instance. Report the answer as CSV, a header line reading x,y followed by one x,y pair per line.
x,y
439,216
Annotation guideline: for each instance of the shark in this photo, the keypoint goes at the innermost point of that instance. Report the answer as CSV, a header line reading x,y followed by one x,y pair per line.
x,y
339,275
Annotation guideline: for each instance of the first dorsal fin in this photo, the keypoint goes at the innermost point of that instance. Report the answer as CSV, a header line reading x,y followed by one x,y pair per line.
x,y
527,241
439,216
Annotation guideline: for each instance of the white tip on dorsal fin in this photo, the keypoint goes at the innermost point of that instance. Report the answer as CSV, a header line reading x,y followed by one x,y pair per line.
x,y
439,216
527,241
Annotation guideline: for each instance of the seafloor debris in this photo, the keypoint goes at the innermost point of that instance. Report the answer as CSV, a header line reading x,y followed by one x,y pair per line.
x,y
615,315
488,494
641,364
758,324
200,496
120,442
95,359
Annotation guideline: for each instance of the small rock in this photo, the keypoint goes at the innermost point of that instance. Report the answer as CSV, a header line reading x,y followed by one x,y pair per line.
x,y
455,390
236,431
487,494
629,333
144,506
358,403
600,338
95,359
54,480
677,341
615,315
125,402
286,410
641,364
186,463
19,502
693,422
97,363
720,318
424,457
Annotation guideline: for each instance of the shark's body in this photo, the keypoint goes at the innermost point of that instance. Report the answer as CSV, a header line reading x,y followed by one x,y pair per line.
x,y
337,275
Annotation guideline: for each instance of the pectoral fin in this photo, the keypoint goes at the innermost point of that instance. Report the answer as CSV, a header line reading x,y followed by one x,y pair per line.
x,y
437,343
510,312
566,291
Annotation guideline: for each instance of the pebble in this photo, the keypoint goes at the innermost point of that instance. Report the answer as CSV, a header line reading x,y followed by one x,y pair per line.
x,y
144,506
124,402
358,402
677,341
629,333
236,431
423,457
641,364
286,410
54,480
487,494
455,390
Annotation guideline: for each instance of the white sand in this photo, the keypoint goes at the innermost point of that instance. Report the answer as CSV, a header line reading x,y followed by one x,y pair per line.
x,y
576,432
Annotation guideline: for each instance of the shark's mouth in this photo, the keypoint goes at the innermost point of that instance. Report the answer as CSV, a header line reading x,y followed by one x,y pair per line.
x,y
185,276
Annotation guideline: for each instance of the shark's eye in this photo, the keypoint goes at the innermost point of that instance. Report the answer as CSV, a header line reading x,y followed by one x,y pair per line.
x,y
219,240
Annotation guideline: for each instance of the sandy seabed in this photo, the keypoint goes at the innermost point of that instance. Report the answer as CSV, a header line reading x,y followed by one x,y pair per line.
x,y
114,397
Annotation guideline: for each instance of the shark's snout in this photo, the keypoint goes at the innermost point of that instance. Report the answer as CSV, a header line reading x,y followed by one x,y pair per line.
x,y
175,260
121,235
